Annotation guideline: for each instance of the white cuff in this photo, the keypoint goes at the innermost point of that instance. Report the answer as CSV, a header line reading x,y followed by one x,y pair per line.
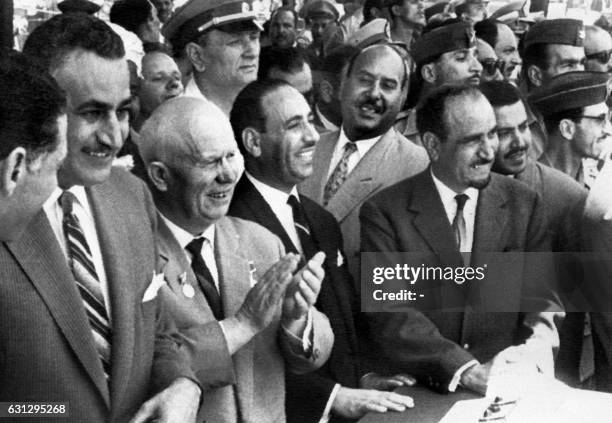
x,y
452,386
305,339
330,402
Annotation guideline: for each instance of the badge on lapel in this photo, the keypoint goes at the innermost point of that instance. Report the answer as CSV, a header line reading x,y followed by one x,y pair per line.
x,y
340,259
156,283
252,272
186,287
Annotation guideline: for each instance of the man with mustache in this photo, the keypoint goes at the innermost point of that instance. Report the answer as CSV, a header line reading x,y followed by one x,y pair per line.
x,y
564,201
502,39
283,28
274,126
442,55
231,287
221,41
367,154
89,260
458,205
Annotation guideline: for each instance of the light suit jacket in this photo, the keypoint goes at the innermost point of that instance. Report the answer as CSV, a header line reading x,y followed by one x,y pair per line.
x,y
249,386
47,352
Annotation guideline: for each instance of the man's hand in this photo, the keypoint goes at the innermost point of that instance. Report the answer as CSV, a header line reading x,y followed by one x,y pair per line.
x,y
354,403
304,290
385,383
263,300
178,403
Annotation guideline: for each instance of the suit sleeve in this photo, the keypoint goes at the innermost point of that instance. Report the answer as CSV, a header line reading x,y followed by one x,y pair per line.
x,y
409,341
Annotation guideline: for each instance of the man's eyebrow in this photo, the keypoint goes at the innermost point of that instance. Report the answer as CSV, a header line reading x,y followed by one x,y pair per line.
x,y
293,119
94,104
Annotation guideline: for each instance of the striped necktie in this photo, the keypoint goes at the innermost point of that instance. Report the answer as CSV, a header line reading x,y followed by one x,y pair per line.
x,y
302,228
86,278
338,176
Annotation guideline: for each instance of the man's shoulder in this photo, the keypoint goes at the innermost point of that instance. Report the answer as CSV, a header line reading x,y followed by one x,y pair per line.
x,y
249,233
405,147
124,182
400,191
562,184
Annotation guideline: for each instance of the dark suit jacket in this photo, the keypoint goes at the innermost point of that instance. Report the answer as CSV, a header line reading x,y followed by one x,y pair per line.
x,y
307,395
409,217
247,387
47,352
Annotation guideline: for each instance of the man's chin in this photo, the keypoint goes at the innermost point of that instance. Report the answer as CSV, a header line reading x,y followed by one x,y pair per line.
x,y
480,183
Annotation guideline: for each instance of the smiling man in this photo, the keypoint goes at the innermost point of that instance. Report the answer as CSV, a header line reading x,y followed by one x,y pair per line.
x,y
456,205
274,124
221,40
229,280
347,163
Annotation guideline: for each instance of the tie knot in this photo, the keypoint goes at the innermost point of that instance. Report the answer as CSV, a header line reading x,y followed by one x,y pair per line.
x,y
293,201
350,147
195,246
66,201
461,199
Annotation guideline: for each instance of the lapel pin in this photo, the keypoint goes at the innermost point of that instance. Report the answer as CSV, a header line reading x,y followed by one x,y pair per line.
x,y
188,290
340,259
252,271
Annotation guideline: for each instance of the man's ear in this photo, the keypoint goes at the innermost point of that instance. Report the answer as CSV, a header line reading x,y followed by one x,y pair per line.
x,y
196,56
251,140
13,169
431,142
396,10
567,129
326,91
159,175
534,74
429,74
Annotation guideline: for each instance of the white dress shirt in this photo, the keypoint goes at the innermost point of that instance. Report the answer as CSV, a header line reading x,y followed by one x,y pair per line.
x,y
363,146
447,196
82,209
277,200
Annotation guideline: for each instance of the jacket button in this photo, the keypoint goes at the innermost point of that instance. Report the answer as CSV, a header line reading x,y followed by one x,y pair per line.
x,y
466,346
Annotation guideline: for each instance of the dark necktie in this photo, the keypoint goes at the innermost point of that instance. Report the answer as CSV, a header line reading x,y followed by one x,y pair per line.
x,y
303,229
204,277
338,176
86,278
459,222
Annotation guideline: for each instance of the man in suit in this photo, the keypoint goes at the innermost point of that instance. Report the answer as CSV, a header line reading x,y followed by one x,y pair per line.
x,y
276,160
228,278
80,322
367,154
33,134
458,205
564,201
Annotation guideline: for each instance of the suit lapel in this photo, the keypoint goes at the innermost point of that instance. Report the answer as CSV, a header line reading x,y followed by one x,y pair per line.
x,y
315,184
363,180
235,284
40,256
491,217
431,221
111,227
249,197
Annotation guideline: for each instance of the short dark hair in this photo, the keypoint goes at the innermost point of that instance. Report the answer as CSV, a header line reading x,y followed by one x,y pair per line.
x,y
248,111
431,114
52,41
30,103
403,56
285,9
151,47
501,93
368,5
288,60
130,14
535,54
551,122
487,31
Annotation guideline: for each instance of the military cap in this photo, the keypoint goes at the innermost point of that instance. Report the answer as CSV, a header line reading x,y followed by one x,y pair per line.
x,y
556,31
460,6
76,6
443,39
511,10
198,16
374,32
571,90
435,9
322,8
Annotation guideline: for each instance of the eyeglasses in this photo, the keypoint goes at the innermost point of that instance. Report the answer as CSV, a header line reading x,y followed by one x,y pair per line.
x,y
602,57
490,66
601,119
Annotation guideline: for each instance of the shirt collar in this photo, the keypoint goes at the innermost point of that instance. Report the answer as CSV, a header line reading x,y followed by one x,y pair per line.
x,y
447,195
79,194
183,237
271,195
363,146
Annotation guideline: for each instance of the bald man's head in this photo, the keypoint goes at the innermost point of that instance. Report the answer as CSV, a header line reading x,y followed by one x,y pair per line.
x,y
192,161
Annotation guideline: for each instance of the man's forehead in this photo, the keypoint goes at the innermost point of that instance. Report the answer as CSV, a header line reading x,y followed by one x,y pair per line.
x,y
512,114
284,103
154,62
468,109
380,59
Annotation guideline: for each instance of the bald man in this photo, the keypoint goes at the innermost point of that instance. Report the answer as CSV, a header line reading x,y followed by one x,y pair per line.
x,y
228,279
597,49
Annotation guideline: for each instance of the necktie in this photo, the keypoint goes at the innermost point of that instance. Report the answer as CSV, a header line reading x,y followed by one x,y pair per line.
x,y
86,278
303,230
459,222
204,277
338,176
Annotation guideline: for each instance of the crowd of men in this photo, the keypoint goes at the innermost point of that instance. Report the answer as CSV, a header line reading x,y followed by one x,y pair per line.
x,y
183,210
